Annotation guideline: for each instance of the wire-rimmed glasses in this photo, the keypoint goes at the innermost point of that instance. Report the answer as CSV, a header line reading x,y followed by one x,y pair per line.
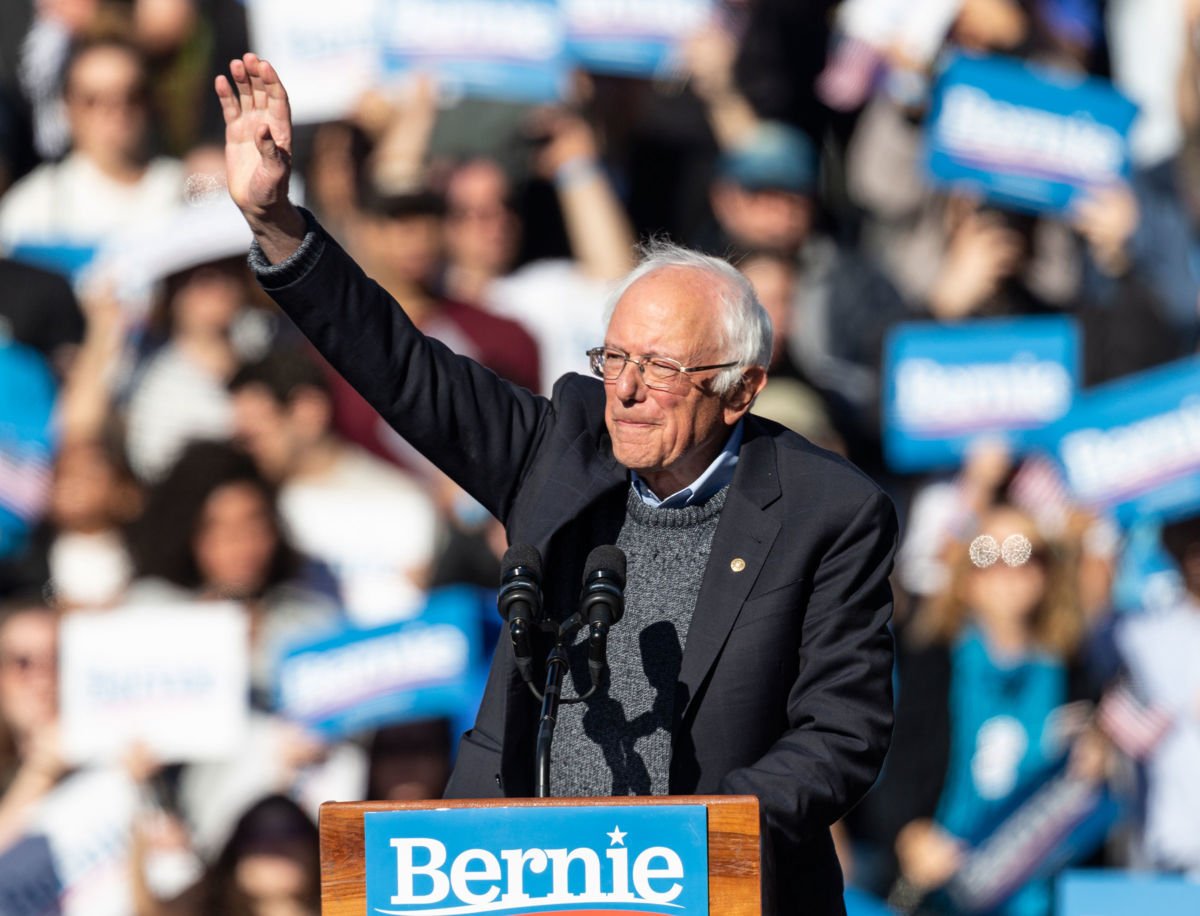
x,y
659,372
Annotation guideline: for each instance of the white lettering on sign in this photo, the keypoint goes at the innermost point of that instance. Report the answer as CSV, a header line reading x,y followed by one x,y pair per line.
x,y
476,877
464,27
1021,392
1104,464
318,681
975,125
662,17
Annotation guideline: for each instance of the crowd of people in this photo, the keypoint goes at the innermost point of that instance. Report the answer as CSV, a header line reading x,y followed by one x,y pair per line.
x,y
167,438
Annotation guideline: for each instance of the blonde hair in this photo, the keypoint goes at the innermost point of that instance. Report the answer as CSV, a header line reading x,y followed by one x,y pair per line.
x,y
1057,625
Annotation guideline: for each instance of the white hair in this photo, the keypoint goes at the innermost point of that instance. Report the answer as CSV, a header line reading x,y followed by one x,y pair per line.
x,y
747,330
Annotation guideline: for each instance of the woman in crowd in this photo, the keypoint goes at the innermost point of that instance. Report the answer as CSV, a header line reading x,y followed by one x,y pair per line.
x,y
211,531
986,673
269,867
180,393
30,764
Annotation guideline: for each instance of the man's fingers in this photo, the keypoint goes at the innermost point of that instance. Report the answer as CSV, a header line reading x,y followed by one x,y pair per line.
x,y
277,103
254,71
241,81
271,81
230,108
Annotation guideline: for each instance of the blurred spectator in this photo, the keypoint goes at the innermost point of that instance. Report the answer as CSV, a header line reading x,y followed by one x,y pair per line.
x,y
788,398
1160,650
399,240
988,271
367,521
106,181
1147,45
30,764
763,198
268,867
180,394
411,761
985,673
211,532
560,300
78,552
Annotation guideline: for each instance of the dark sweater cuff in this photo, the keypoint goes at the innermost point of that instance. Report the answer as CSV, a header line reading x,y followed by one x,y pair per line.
x,y
277,276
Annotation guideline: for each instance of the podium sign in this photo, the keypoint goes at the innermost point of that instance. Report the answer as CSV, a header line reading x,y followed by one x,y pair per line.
x,y
508,861
687,855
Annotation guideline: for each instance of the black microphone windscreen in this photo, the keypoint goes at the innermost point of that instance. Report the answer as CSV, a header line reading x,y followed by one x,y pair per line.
x,y
521,555
606,557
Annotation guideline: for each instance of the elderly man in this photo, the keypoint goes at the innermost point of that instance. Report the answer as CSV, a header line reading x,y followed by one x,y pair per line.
x,y
754,655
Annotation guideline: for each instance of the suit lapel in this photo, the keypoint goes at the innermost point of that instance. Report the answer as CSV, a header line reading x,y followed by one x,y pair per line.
x,y
564,496
742,541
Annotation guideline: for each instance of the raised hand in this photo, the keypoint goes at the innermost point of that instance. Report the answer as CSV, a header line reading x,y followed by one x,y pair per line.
x,y
258,150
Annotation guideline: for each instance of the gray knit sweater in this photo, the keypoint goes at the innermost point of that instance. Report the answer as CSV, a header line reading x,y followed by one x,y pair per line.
x,y
619,741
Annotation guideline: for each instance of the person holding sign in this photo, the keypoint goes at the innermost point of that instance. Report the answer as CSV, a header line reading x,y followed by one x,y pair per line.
x,y
754,656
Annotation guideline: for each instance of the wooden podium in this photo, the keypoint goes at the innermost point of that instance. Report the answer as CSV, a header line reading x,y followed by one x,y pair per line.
x,y
734,878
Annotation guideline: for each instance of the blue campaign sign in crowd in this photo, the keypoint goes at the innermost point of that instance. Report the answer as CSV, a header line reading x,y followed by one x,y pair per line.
x,y
355,680
1132,447
947,386
1026,136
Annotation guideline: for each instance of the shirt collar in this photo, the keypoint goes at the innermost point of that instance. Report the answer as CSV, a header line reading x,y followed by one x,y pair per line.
x,y
715,477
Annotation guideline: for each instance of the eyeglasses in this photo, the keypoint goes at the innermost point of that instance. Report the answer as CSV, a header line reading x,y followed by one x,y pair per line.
x,y
658,372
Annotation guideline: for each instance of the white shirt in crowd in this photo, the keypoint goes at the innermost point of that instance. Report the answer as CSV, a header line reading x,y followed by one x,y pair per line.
x,y
374,528
72,202
560,306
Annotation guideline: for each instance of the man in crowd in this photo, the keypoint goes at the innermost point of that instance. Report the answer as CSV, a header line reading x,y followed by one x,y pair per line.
x,y
761,663
366,520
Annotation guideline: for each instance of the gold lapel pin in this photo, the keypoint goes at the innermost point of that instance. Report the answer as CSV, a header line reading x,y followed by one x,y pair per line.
x,y
737,564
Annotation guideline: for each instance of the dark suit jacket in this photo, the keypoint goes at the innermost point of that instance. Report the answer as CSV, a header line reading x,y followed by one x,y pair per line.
x,y
785,687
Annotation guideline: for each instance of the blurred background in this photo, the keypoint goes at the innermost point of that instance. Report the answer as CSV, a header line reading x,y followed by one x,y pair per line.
x,y
228,592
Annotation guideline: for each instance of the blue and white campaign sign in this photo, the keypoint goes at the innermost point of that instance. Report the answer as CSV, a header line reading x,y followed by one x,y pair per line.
x,y
360,679
508,49
633,860
630,37
1132,447
174,677
1026,137
947,385
326,53
1120,893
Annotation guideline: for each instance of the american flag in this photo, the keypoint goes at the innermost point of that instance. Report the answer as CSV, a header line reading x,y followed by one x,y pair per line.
x,y
24,482
1038,488
1133,726
849,76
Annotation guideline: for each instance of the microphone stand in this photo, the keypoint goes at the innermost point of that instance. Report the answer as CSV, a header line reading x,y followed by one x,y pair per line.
x,y
557,664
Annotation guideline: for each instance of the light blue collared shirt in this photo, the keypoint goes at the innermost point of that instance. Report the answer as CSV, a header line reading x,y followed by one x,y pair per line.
x,y
716,476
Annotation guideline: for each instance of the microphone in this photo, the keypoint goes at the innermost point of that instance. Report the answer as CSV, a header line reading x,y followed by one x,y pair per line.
x,y
520,601
601,603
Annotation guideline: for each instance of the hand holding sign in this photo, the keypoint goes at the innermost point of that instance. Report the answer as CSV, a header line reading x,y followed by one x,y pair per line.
x,y
1107,218
983,251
